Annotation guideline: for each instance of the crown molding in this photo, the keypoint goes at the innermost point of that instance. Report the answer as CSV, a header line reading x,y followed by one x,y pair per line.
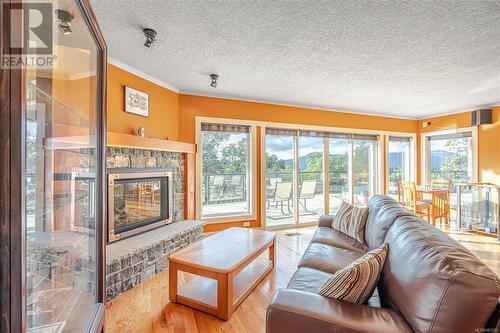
x,y
142,75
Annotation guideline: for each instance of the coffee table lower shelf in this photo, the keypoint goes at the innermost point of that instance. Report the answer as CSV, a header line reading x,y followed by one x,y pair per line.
x,y
203,293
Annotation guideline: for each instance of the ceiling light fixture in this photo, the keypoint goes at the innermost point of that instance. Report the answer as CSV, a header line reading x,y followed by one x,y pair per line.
x,y
150,35
214,78
64,19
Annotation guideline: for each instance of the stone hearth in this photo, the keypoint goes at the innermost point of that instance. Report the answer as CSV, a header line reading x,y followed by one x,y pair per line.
x,y
134,260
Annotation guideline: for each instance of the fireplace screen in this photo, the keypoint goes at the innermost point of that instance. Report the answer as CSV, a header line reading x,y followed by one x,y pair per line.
x,y
138,202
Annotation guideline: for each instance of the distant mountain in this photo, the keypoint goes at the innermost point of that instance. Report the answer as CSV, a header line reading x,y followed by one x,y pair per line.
x,y
437,159
395,159
302,161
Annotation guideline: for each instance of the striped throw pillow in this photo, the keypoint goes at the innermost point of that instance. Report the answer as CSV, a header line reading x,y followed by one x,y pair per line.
x,y
351,220
355,282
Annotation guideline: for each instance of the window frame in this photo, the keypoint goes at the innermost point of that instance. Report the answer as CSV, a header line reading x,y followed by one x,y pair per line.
x,y
252,173
425,174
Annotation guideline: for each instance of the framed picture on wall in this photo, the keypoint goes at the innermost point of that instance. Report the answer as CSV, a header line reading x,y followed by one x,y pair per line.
x,y
136,102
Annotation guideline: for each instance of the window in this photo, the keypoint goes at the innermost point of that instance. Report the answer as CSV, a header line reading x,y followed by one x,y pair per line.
x,y
226,164
399,162
451,157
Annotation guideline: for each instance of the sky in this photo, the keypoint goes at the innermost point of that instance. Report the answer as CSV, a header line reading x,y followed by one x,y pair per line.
x,y
282,146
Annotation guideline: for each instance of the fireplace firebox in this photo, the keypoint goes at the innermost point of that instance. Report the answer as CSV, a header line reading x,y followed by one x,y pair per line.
x,y
138,201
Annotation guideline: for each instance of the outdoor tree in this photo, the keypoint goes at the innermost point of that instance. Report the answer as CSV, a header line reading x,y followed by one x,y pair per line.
x,y
455,164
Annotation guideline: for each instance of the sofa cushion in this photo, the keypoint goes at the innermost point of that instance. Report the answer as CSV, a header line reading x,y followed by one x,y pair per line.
x,y
355,282
436,283
308,279
332,237
383,211
351,220
327,258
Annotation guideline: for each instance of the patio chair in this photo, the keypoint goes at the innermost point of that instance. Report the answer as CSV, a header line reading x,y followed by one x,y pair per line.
x,y
236,185
272,187
282,193
307,191
218,185
407,196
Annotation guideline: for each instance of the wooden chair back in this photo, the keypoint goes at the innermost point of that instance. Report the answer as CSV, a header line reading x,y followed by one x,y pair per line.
x,y
441,184
407,194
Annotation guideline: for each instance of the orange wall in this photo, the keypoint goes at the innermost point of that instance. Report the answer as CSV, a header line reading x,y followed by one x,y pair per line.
x,y
488,141
193,106
163,119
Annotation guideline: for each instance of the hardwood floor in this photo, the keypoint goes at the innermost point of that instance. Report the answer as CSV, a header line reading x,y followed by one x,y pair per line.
x,y
147,309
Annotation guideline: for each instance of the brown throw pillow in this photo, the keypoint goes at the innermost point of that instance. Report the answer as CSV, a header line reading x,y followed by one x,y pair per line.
x,y
355,282
351,220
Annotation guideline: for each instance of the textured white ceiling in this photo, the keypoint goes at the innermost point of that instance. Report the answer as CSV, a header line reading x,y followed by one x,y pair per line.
x,y
400,58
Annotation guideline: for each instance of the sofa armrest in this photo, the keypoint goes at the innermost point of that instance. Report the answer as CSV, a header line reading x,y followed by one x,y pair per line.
x,y
325,221
293,311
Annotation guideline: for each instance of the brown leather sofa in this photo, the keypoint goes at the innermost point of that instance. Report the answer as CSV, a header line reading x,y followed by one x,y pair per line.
x,y
430,283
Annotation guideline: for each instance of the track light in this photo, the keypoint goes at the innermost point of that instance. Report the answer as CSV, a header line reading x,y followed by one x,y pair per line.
x,y
64,19
150,35
214,78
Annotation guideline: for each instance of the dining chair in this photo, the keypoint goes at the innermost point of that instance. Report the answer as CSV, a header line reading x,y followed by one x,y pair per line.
x,y
442,200
444,184
408,197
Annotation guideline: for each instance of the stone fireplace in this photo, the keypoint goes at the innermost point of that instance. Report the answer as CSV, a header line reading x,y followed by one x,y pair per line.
x,y
136,258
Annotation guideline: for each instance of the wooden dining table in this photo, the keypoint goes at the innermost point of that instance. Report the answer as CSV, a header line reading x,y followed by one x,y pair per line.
x,y
439,200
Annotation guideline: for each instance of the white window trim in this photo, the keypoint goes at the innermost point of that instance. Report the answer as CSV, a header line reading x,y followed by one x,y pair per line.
x,y
413,157
424,143
252,172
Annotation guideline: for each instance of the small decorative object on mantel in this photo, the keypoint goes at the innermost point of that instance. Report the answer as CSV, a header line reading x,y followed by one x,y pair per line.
x,y
136,102
140,131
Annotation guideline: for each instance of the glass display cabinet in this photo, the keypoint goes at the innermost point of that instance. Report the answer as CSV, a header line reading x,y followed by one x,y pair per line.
x,y
52,206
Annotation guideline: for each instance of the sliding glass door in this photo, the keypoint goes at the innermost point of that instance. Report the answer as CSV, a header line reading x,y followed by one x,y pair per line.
x,y
310,163
281,173
364,168
303,166
340,173
399,161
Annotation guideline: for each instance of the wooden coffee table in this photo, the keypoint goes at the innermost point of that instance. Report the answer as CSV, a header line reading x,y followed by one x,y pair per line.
x,y
227,268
